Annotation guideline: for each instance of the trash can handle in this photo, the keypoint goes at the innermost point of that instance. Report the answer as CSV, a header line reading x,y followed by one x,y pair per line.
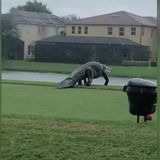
x,y
124,88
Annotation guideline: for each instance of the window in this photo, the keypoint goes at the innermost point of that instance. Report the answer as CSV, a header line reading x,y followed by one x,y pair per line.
x,y
79,30
73,29
121,31
152,31
142,31
85,30
110,30
133,31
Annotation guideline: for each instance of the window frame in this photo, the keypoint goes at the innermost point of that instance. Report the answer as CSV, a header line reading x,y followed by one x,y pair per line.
x,y
79,29
133,31
73,29
85,29
121,31
142,31
110,30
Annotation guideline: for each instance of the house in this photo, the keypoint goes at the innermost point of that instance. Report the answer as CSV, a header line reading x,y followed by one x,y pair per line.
x,y
139,29
33,26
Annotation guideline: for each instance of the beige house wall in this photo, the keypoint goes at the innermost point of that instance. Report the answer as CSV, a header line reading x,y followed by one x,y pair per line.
x,y
102,31
47,31
31,33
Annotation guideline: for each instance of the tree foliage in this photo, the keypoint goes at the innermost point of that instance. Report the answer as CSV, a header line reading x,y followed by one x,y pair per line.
x,y
8,27
34,6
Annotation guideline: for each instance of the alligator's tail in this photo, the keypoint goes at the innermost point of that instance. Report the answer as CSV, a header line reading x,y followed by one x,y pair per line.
x,y
67,83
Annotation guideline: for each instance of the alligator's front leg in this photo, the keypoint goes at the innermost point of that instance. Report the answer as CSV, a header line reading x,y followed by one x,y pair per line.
x,y
106,78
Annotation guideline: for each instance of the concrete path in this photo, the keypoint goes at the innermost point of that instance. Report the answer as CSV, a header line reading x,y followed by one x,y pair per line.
x,y
54,77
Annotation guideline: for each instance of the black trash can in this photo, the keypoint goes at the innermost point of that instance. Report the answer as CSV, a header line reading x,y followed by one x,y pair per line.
x,y
142,97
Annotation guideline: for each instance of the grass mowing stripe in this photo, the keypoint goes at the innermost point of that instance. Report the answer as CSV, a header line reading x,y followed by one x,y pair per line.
x,y
69,103
75,103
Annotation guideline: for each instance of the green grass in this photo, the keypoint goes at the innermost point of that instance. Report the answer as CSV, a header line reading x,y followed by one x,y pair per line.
x,y
118,71
73,103
46,139
41,122
134,71
38,66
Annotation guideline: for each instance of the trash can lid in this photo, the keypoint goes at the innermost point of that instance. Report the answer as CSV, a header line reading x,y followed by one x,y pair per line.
x,y
139,82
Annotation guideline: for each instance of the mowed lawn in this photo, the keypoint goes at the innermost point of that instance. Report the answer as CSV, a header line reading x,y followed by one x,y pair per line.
x,y
75,103
45,123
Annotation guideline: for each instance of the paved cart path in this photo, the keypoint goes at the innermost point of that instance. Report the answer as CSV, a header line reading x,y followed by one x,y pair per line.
x,y
54,77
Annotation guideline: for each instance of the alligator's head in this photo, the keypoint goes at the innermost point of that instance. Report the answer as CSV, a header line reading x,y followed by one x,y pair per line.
x,y
106,68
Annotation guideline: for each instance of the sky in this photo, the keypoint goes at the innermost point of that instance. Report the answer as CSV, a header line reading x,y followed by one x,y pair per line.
x,y
87,8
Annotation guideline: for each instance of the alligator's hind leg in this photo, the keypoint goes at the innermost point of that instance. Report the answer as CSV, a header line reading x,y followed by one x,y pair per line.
x,y
84,79
80,82
89,77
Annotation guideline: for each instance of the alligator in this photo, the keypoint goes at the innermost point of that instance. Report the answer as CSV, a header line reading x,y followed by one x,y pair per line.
x,y
87,72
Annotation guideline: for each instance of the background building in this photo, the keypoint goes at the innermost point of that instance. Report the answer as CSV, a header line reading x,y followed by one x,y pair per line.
x,y
33,26
141,30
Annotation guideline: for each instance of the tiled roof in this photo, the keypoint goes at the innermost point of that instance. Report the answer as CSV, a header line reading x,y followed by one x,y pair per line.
x,y
88,40
117,18
24,17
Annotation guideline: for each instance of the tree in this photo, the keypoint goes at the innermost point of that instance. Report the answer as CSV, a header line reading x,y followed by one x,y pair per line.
x,y
34,6
8,27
